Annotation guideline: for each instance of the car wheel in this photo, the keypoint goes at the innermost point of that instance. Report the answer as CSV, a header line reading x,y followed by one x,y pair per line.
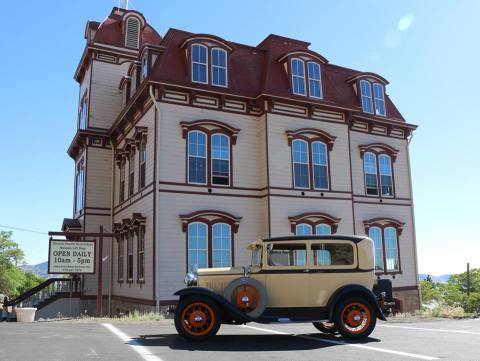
x,y
325,327
197,318
355,318
248,295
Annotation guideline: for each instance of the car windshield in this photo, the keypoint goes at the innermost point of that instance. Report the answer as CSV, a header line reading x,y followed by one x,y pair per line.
x,y
257,256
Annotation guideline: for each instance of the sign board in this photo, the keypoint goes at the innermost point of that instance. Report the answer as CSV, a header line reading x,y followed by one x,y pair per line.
x,y
71,257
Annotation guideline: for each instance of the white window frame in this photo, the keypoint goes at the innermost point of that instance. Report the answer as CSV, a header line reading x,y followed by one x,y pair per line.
x,y
382,99
221,249
142,162
307,163
324,225
370,98
206,157
212,158
197,62
144,67
319,80
298,76
382,246
376,175
326,165
197,249
387,249
219,67
303,225
380,175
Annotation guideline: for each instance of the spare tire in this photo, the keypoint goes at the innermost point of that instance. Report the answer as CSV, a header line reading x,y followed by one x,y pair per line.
x,y
248,295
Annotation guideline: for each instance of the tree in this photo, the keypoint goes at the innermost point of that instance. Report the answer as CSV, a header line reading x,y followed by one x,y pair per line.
x,y
13,279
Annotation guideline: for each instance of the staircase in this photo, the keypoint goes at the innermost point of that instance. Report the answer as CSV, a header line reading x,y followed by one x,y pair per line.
x,y
45,293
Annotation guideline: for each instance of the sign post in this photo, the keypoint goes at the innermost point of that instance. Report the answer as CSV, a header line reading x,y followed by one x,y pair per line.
x,y
75,255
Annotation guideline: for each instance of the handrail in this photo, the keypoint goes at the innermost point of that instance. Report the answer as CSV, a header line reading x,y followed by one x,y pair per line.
x,y
35,290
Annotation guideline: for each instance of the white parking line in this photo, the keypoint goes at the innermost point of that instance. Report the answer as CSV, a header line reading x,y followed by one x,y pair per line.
x,y
143,351
378,349
432,329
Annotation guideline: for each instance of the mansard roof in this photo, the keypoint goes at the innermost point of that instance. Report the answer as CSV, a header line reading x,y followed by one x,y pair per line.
x,y
255,71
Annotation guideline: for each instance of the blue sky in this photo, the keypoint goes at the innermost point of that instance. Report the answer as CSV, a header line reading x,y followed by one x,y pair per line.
x,y
428,50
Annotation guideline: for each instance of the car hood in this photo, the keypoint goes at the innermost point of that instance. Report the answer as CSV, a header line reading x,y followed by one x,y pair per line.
x,y
221,270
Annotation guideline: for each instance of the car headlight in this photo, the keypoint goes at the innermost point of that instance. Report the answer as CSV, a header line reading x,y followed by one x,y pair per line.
x,y
191,279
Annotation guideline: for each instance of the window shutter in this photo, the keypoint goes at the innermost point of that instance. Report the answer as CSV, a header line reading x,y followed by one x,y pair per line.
x,y
132,36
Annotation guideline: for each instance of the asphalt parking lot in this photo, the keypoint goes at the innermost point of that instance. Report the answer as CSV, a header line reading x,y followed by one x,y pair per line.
x,y
158,341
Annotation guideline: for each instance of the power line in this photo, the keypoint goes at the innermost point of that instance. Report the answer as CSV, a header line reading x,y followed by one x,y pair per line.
x,y
22,229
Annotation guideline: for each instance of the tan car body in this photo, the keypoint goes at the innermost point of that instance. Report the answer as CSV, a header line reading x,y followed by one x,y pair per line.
x,y
311,286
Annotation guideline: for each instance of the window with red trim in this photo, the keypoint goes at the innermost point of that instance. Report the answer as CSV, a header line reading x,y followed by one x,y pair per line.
x,y
310,158
378,169
209,148
209,239
385,235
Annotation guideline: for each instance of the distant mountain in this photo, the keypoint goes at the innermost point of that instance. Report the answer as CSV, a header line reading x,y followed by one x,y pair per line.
x,y
40,269
438,279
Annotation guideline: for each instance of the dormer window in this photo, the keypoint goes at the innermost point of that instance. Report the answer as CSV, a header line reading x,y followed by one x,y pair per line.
x,y
314,80
132,33
379,99
300,72
366,94
199,63
298,76
368,101
219,67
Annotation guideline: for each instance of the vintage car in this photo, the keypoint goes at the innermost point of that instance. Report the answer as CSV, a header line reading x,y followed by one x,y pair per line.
x,y
328,280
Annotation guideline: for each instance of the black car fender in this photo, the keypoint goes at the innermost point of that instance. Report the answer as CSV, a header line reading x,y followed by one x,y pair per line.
x,y
226,306
357,290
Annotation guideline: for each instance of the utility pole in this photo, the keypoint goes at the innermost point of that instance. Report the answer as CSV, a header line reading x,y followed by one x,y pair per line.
x,y
468,279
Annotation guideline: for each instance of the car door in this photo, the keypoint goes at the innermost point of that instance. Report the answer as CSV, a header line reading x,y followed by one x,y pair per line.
x,y
287,274
333,265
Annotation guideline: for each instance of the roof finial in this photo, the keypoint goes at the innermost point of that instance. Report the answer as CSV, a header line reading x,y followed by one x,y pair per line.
x,y
123,4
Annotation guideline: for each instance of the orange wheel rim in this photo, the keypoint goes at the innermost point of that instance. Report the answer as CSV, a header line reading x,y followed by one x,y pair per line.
x,y
356,317
246,297
198,319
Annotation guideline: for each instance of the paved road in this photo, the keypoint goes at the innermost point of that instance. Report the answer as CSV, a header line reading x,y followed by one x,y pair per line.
x,y
77,341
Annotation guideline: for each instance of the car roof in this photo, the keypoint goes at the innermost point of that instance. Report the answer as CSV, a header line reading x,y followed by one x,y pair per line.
x,y
352,238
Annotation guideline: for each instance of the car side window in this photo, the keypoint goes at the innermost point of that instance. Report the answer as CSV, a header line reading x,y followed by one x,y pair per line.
x,y
332,254
282,255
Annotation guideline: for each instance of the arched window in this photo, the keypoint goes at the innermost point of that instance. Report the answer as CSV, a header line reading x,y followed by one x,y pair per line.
x,y
298,76
209,142
323,229
370,169
314,80
132,33
385,233
210,238
366,96
303,229
386,177
220,159
199,63
197,246
197,157
320,165
219,67
221,245
378,95
300,164
391,249
375,233
131,173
